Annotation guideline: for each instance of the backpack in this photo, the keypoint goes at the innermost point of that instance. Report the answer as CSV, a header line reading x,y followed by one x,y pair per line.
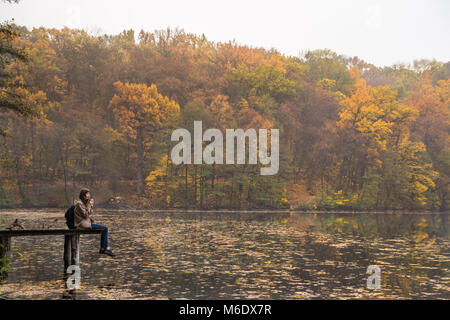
x,y
70,217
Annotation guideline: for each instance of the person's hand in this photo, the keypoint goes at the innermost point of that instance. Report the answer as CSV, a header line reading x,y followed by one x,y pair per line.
x,y
92,202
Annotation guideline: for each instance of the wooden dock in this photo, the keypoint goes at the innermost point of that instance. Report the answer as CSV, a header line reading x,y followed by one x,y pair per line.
x,y
71,241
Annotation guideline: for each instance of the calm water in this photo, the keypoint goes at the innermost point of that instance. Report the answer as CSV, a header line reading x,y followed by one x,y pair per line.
x,y
238,255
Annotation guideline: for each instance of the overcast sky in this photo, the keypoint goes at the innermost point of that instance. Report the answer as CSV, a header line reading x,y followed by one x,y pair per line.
x,y
380,32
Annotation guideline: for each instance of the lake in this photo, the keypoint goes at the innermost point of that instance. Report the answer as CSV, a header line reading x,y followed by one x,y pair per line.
x,y
237,256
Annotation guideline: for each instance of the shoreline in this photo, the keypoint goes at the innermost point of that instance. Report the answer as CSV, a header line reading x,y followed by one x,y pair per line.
x,y
252,211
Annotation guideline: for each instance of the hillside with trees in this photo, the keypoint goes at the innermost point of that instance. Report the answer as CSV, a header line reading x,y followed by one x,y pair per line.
x,y
99,111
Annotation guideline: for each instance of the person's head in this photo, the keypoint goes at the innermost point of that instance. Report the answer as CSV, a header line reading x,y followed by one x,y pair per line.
x,y
85,195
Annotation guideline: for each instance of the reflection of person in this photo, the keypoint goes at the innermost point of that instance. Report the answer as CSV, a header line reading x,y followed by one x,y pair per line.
x,y
83,220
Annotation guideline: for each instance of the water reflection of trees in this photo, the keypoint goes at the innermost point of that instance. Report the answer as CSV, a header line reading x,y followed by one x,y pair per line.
x,y
410,249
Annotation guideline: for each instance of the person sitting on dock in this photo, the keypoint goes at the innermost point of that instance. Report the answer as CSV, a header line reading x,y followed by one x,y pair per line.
x,y
83,220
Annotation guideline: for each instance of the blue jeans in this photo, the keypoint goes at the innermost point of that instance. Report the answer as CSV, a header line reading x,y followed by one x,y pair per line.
x,y
104,235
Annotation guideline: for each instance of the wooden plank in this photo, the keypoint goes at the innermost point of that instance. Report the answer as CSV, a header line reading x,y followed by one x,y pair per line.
x,y
69,232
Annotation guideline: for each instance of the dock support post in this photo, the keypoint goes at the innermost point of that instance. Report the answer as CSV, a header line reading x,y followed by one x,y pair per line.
x,y
67,252
5,246
75,241
71,250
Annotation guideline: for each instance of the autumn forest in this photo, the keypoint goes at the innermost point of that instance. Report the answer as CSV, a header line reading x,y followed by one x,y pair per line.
x,y
97,111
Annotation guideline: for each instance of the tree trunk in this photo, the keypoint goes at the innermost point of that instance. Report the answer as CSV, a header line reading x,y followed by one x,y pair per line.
x,y
186,199
195,186
64,164
140,155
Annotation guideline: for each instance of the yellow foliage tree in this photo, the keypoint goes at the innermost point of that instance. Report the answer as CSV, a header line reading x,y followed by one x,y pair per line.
x,y
380,126
138,109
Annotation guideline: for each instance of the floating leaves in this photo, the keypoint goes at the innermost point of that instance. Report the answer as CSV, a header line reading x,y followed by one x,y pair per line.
x,y
239,255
